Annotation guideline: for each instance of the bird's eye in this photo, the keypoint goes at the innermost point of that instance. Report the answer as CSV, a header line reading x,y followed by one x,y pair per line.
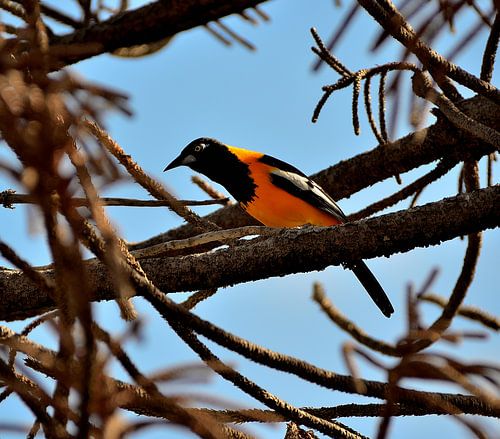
x,y
199,147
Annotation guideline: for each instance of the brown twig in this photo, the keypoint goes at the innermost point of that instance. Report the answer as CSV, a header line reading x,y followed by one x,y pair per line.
x,y
7,199
386,14
35,276
238,38
151,185
338,34
198,297
219,237
325,54
213,193
369,113
490,50
112,261
263,16
381,108
472,313
442,168
120,354
14,8
340,411
34,397
348,78
348,326
356,88
422,87
215,33
30,327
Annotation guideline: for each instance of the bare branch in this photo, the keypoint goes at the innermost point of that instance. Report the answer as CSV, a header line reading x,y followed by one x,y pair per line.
x,y
347,325
149,23
8,198
423,88
469,312
390,19
491,50
416,187
151,185
384,235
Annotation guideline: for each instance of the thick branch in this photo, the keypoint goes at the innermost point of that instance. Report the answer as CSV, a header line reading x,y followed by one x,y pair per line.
x,y
147,24
284,252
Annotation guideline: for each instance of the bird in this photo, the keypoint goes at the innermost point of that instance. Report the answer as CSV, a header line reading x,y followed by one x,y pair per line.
x,y
275,193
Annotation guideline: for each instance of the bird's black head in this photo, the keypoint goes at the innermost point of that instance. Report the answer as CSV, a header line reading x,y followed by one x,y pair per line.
x,y
199,154
215,160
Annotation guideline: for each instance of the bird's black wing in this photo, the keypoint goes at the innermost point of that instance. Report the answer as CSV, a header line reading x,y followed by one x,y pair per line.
x,y
292,180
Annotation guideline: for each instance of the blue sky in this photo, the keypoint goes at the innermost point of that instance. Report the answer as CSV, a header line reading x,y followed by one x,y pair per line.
x,y
264,100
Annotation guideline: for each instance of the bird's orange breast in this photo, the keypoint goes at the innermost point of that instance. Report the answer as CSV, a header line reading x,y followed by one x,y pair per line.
x,y
275,207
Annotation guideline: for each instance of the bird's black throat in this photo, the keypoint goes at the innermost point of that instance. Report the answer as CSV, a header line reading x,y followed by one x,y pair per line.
x,y
222,166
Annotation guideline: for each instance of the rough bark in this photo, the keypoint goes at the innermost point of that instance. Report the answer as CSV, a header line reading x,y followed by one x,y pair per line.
x,y
287,251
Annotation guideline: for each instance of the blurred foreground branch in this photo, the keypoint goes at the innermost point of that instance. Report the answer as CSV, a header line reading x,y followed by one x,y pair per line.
x,y
147,24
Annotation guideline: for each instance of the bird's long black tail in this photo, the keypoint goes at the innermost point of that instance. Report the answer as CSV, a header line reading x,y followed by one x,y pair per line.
x,y
373,288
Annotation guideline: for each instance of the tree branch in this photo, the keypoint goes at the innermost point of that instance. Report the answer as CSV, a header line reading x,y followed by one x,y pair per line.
x,y
290,250
387,15
8,198
147,24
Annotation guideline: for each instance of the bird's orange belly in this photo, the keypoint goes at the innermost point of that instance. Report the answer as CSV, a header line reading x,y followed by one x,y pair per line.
x,y
277,208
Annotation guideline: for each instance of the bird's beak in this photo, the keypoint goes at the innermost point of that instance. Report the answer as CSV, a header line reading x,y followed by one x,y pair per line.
x,y
181,161
174,164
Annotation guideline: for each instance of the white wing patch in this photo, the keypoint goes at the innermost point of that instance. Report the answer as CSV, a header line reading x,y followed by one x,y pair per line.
x,y
302,183
309,191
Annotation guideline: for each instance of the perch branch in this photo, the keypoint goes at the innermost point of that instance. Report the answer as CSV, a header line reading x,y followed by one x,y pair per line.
x,y
421,226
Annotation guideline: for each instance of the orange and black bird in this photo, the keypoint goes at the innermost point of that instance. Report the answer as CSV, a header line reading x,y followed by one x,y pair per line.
x,y
275,193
